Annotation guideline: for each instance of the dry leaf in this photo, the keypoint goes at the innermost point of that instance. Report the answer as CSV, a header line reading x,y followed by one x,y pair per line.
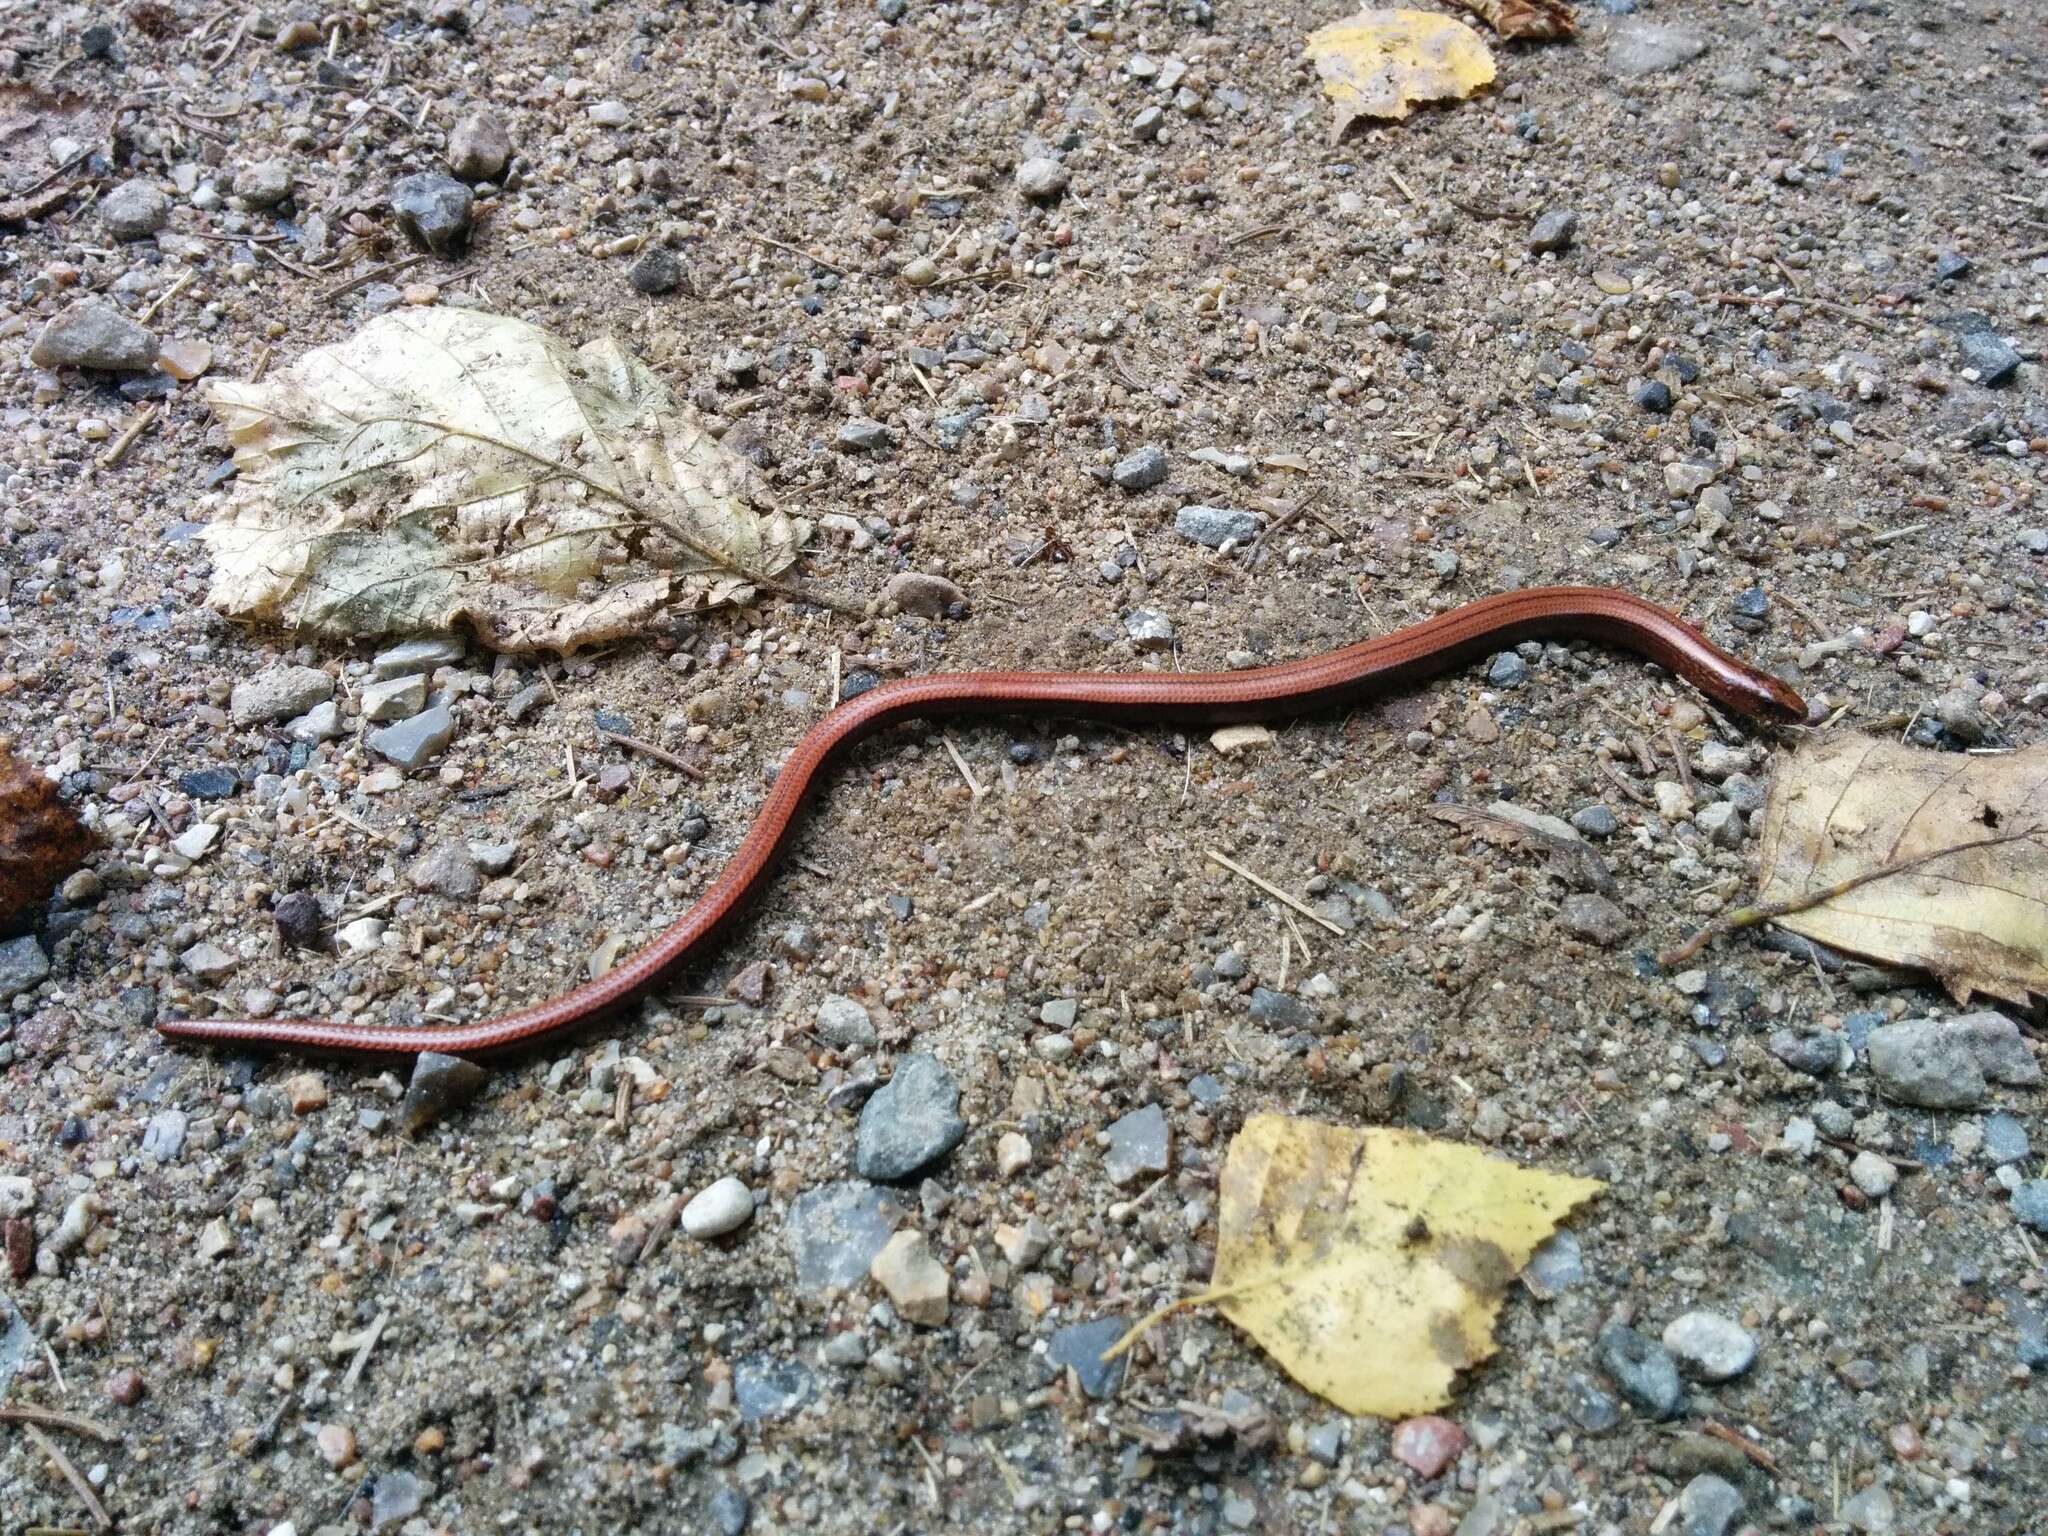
x,y
1381,63
1371,1263
41,838
1976,918
444,465
1526,20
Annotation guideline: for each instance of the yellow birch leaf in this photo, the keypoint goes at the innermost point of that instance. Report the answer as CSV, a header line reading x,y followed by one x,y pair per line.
x,y
1370,1262
1976,917
1381,63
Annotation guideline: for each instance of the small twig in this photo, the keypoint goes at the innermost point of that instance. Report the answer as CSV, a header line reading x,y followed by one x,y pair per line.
x,y
117,450
1678,756
649,749
354,1373
1891,534
1742,1443
761,239
28,1413
1258,234
1749,917
363,280
973,784
71,1475
1274,891
664,1224
166,296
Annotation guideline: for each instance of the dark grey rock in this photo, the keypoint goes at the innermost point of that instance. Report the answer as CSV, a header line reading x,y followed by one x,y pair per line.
x,y
730,1511
22,965
1589,915
209,783
2002,1052
2030,1204
93,333
1645,1373
1508,671
1595,821
953,429
446,869
1140,471
1993,357
439,1084
861,435
1140,1145
912,1121
300,922
135,210
835,1231
1217,526
1279,1011
435,211
656,272
1591,1409
264,183
1555,1267
1146,126
1654,396
1950,265
412,743
1816,1052
1149,631
1554,231
1079,1347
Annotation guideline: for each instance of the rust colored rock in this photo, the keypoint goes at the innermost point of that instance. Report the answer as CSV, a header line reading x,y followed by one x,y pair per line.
x,y
41,839
19,1239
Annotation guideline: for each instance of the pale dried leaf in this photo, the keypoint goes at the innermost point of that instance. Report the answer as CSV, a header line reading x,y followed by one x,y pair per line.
x,y
1380,64
445,465
1371,1263
1977,918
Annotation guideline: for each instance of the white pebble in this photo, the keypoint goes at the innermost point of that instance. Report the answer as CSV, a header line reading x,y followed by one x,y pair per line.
x,y
721,1208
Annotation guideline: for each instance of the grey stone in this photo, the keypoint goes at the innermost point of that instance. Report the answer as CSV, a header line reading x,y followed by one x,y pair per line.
x,y
953,429
479,148
135,210
439,1084
1816,1052
2002,1052
1059,1012
1984,349
2005,1139
395,698
263,183
1709,1506
22,965
655,272
1554,231
1149,631
729,1511
1279,1011
1146,125
835,1231
1645,1373
410,743
278,693
843,1023
1507,671
435,211
446,869
422,653
163,1139
1591,1409
765,1388
17,1344
320,723
1041,179
1589,915
1595,820
1555,1267
1140,1145
1079,1346
1921,1061
2030,1204
923,593
1710,1346
1217,526
860,435
208,962
1140,471
1870,1511
912,1121
1873,1174
1638,48
92,333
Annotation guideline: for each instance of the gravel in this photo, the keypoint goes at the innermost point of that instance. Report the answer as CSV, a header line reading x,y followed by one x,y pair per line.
x,y
415,742
94,334
435,211
718,1208
1710,1347
911,1122
1644,1372
1217,526
479,147
134,210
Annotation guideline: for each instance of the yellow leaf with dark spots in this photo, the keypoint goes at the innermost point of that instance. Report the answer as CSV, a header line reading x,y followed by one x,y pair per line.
x,y
1381,63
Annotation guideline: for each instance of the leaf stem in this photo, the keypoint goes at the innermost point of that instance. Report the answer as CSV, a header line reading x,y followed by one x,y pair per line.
x,y
1749,917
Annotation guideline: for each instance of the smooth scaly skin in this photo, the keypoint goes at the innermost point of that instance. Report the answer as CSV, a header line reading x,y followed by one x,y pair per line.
x,y
1391,662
